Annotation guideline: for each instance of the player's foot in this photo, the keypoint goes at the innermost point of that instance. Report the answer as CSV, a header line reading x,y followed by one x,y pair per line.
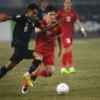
x,y
72,70
34,79
24,90
64,71
28,80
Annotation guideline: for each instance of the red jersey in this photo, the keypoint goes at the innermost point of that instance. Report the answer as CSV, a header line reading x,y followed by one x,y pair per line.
x,y
45,42
67,25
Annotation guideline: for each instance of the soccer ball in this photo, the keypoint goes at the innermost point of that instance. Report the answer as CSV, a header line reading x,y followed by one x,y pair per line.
x,y
62,89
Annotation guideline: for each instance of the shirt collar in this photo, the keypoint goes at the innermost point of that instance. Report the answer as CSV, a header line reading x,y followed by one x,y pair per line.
x,y
42,8
28,18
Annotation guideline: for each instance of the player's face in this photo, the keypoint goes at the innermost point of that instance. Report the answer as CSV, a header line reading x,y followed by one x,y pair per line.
x,y
67,4
44,4
32,14
51,16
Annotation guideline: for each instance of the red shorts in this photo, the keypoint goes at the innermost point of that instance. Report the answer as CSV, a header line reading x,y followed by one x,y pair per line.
x,y
67,42
48,58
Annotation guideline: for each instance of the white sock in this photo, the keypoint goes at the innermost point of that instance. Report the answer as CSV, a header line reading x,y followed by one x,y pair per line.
x,y
71,68
63,68
28,74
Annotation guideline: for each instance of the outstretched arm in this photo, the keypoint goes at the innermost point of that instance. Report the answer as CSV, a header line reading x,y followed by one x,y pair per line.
x,y
81,27
4,17
51,26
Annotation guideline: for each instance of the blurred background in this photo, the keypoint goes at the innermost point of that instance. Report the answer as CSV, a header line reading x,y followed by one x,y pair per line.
x,y
84,84
88,11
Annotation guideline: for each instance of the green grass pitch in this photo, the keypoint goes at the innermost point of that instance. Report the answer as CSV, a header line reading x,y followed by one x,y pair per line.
x,y
84,84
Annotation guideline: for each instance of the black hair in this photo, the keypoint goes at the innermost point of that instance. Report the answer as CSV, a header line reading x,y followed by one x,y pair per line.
x,y
64,0
50,8
32,6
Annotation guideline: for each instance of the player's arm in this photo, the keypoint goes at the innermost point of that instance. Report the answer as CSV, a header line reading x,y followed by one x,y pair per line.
x,y
53,25
81,27
43,29
39,29
4,17
59,43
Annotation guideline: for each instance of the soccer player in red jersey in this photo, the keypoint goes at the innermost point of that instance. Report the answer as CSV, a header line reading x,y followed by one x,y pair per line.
x,y
70,17
45,43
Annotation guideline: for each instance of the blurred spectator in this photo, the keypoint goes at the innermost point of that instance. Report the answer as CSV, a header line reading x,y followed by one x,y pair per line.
x,y
43,5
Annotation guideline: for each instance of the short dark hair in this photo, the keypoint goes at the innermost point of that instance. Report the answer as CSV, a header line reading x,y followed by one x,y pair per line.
x,y
32,6
50,8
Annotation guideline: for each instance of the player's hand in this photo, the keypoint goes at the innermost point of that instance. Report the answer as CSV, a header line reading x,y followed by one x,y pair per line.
x,y
37,30
52,22
84,34
2,16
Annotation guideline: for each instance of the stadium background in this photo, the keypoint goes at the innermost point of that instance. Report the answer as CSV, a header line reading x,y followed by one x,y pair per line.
x,y
84,84
88,11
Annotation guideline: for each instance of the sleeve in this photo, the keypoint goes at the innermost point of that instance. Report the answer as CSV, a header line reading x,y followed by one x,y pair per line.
x,y
16,18
75,16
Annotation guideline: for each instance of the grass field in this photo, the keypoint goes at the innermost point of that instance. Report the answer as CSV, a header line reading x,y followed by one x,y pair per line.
x,y
84,84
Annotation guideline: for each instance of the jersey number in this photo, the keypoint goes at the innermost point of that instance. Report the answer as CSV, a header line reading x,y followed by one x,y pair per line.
x,y
68,40
68,19
26,28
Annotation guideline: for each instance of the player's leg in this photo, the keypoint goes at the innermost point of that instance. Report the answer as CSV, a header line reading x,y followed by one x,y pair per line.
x,y
47,72
37,61
30,74
67,56
33,77
70,60
48,61
44,73
68,48
7,68
14,60
64,63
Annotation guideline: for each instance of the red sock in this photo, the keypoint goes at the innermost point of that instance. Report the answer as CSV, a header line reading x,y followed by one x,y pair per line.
x,y
32,76
25,84
42,73
64,61
70,59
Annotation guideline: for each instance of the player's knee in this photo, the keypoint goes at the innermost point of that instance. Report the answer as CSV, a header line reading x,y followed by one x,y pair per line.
x,y
38,56
49,74
10,65
50,71
68,50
